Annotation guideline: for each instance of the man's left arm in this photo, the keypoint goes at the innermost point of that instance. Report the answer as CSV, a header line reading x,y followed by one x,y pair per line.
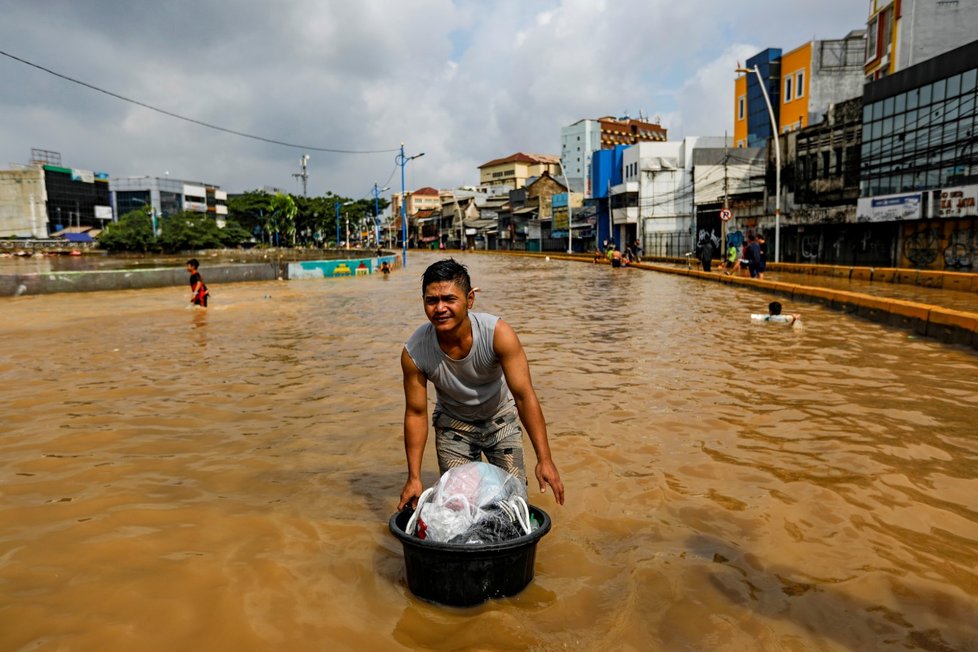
x,y
512,358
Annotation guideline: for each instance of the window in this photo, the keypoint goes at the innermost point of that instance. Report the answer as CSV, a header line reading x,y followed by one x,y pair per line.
x,y
871,42
741,106
787,89
800,83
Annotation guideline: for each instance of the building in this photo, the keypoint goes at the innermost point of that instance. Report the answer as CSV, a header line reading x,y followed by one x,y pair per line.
x,y
802,84
44,199
426,198
654,201
23,203
580,140
919,165
903,33
752,121
515,170
732,179
166,196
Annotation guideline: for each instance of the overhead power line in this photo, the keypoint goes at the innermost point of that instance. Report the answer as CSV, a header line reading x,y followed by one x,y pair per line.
x,y
196,122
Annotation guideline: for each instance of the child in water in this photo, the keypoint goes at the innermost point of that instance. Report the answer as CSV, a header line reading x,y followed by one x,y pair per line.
x,y
774,315
198,290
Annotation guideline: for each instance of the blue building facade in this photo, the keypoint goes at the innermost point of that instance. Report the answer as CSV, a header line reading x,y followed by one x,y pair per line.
x,y
606,171
768,63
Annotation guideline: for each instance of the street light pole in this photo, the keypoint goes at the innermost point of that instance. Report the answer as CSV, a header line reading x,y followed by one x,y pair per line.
x,y
377,192
349,203
401,160
777,162
570,232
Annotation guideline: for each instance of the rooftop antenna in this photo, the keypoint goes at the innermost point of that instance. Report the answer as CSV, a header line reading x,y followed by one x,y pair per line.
x,y
304,175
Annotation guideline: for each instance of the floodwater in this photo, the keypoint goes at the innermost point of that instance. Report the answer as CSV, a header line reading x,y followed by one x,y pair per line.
x,y
173,478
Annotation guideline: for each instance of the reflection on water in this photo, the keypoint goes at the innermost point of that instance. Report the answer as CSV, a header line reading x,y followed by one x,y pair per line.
x,y
174,478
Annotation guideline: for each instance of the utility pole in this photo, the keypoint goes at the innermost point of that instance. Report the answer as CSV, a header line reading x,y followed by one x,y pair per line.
x,y
304,175
726,205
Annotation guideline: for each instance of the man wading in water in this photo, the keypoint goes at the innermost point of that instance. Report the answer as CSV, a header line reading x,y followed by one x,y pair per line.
x,y
482,378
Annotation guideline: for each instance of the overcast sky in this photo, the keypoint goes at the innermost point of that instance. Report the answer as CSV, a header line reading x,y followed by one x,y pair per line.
x,y
464,81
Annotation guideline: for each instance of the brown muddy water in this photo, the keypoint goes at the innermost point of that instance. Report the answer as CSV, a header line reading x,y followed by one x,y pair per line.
x,y
179,479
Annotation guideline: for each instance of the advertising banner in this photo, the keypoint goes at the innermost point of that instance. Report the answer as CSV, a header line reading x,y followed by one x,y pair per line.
x,y
889,208
85,176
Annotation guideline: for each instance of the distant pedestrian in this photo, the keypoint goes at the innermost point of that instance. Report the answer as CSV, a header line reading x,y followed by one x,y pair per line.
x,y
753,255
616,257
198,289
762,243
704,251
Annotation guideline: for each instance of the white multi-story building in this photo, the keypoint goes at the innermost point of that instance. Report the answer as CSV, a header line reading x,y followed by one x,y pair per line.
x,y
577,143
654,201
167,196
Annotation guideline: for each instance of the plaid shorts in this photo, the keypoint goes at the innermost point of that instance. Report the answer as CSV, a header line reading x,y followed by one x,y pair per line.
x,y
460,442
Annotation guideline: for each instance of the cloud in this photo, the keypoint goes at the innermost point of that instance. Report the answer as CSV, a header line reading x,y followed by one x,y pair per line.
x,y
463,81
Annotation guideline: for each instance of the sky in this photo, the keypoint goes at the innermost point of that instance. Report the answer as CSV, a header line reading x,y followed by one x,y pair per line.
x,y
463,81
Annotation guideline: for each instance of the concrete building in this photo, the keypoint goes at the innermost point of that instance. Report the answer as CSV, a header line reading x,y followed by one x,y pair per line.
x,y
23,203
802,84
167,196
732,179
903,33
44,200
654,201
426,198
919,165
580,140
513,171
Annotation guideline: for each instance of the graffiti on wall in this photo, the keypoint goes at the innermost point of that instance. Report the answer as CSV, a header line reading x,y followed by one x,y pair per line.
x,y
951,245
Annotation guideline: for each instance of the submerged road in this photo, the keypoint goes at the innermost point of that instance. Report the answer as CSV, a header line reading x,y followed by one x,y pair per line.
x,y
185,479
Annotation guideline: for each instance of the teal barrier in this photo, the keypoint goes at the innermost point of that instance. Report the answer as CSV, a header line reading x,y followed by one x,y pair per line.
x,y
338,268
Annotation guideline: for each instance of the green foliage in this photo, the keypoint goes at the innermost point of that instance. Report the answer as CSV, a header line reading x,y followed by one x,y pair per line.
x,y
133,232
289,220
234,235
189,230
249,210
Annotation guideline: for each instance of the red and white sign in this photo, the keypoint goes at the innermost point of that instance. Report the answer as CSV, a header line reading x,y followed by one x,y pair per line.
x,y
726,214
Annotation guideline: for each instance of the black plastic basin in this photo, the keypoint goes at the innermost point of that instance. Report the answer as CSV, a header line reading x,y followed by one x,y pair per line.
x,y
467,574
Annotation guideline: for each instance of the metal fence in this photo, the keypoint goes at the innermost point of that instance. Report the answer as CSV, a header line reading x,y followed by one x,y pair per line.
x,y
675,244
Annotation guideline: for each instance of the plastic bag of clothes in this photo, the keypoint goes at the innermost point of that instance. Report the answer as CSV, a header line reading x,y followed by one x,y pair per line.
x,y
473,503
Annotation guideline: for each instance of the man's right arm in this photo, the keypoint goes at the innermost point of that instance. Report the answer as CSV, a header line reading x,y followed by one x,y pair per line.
x,y
415,427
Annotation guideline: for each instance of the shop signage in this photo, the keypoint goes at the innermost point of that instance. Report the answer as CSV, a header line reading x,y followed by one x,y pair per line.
x,y
958,202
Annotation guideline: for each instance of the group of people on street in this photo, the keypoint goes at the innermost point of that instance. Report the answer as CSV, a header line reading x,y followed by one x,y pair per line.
x,y
618,258
754,254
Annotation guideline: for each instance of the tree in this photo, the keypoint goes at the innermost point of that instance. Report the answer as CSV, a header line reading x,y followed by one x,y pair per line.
x,y
283,217
249,210
133,232
190,230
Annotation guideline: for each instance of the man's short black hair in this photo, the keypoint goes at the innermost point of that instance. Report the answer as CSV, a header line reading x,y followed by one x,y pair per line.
x,y
774,308
447,270
193,263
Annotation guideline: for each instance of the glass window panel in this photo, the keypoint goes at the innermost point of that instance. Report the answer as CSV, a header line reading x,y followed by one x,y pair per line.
x,y
951,110
932,178
867,128
968,80
954,85
888,107
938,93
913,97
867,113
911,119
924,98
888,126
877,110
900,103
899,121
877,130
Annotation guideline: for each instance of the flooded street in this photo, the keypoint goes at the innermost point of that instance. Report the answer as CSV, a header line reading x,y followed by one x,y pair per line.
x,y
184,479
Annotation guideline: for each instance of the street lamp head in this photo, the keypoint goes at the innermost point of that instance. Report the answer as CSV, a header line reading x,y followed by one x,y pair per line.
x,y
744,70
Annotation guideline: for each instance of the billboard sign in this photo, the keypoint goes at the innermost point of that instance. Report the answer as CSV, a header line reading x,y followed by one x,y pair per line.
x,y
889,208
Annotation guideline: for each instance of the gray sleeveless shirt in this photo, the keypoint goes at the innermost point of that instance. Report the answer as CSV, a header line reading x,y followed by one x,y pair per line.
x,y
471,389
